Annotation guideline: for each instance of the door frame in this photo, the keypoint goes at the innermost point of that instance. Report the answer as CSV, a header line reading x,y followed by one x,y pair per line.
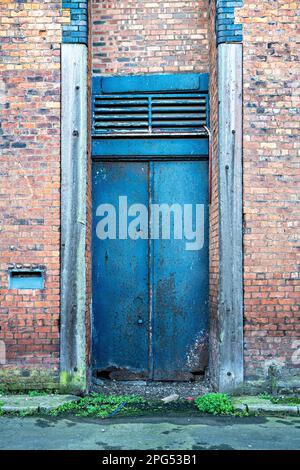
x,y
227,371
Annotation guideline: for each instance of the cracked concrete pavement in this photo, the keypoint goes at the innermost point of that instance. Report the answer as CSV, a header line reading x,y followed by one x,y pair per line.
x,y
178,433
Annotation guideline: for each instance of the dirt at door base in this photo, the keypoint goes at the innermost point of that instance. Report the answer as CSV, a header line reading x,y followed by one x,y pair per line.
x,y
149,389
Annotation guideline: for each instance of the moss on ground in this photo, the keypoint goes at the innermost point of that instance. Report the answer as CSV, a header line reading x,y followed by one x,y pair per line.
x,y
30,393
281,400
106,406
102,406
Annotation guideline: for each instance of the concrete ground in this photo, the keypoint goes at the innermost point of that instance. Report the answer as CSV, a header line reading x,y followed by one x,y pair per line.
x,y
150,433
12,404
40,403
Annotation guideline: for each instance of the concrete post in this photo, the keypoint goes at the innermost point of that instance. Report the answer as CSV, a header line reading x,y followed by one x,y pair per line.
x,y
73,216
230,310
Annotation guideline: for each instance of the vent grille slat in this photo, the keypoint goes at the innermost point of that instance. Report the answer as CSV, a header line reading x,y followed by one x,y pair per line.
x,y
149,113
173,115
120,110
121,117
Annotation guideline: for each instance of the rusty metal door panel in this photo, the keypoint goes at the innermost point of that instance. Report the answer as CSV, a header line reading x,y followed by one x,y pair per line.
x,y
150,295
180,276
120,277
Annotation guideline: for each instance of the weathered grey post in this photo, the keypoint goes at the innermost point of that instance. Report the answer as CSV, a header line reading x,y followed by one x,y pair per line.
x,y
230,308
73,215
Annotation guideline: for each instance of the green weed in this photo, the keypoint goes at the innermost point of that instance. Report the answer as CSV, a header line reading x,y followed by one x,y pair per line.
x,y
215,403
99,405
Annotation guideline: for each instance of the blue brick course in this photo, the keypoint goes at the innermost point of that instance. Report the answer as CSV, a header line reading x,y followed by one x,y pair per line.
x,y
226,29
77,30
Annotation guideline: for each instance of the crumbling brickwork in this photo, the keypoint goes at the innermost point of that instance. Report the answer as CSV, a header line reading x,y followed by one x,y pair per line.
x,y
30,184
271,186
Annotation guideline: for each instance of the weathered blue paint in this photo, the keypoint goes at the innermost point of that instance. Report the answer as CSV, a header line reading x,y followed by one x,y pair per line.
x,y
188,146
180,278
120,277
153,104
150,297
149,113
151,83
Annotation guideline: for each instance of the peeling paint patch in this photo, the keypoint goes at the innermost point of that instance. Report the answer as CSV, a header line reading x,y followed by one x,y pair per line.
x,y
197,356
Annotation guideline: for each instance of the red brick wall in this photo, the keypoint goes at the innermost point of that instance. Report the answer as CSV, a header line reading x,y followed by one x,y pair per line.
x,y
149,37
30,184
271,185
214,206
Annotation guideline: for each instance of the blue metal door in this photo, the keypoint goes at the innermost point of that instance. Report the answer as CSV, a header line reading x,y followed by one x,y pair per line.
x,y
120,276
150,235
180,276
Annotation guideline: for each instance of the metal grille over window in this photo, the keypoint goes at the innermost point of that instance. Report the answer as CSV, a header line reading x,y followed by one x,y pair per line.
x,y
149,114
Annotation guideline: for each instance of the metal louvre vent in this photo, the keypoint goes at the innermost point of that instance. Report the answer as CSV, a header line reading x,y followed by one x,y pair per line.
x,y
147,114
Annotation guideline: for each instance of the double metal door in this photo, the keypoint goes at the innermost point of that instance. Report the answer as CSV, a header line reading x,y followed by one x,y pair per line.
x,y
150,268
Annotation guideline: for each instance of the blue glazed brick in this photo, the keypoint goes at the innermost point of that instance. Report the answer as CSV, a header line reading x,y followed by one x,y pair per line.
x,y
70,28
235,4
235,38
226,29
227,21
225,10
79,17
19,145
69,5
77,30
225,15
79,23
77,11
228,4
77,34
229,38
230,27
72,40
